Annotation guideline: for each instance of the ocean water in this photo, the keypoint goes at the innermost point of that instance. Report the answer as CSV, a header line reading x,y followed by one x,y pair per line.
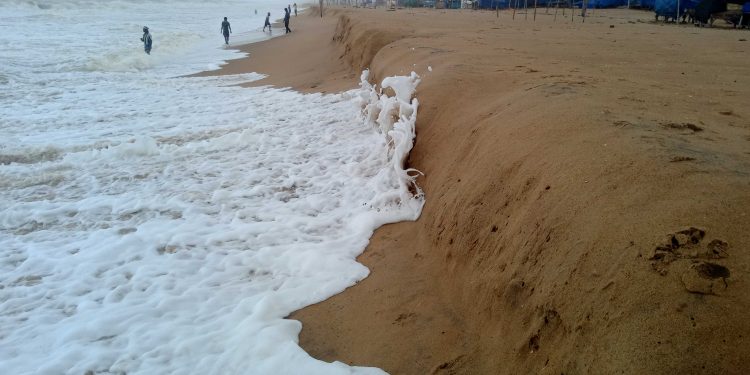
x,y
157,224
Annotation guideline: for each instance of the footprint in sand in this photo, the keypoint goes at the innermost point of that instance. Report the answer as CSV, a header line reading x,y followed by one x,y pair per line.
x,y
404,318
688,245
705,278
677,159
449,367
682,126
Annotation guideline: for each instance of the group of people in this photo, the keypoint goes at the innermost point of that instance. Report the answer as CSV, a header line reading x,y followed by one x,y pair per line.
x,y
226,28
287,17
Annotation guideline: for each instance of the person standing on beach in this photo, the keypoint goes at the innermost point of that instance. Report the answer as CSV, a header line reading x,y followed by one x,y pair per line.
x,y
286,20
226,29
147,41
295,9
268,22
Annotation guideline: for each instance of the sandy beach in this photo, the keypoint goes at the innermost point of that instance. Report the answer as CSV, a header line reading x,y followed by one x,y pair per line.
x,y
587,192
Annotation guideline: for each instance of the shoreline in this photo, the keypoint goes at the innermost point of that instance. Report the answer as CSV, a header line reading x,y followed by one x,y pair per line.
x,y
561,160
321,72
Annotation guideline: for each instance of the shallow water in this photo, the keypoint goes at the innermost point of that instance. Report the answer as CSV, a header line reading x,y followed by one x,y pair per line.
x,y
153,224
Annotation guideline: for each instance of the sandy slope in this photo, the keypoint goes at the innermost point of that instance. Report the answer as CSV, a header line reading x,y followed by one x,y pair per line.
x,y
565,165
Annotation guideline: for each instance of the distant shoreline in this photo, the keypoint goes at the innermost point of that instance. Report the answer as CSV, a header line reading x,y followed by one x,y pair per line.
x,y
318,69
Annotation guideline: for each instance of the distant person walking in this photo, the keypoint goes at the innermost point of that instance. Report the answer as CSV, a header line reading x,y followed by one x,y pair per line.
x,y
295,9
268,22
226,29
286,20
147,41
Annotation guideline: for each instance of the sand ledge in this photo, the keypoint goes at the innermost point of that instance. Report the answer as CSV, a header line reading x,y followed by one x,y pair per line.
x,y
569,171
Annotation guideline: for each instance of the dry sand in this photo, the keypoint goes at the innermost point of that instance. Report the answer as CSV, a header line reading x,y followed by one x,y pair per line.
x,y
588,193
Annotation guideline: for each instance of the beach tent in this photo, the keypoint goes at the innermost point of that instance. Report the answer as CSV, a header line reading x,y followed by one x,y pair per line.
x,y
745,17
668,8
705,8
491,4
603,3
641,4
502,4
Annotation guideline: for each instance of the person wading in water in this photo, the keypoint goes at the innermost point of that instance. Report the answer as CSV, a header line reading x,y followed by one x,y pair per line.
x,y
147,41
268,22
226,30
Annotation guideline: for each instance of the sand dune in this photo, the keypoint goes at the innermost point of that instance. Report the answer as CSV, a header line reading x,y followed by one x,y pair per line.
x,y
588,189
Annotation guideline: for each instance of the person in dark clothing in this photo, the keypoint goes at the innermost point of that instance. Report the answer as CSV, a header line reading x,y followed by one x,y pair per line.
x,y
147,41
226,29
286,20
268,22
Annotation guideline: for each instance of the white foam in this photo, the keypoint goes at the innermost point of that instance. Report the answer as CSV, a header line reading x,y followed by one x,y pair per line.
x,y
155,225
185,255
174,231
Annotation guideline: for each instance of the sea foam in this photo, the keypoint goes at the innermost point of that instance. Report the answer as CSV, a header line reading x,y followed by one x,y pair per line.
x,y
159,225
181,249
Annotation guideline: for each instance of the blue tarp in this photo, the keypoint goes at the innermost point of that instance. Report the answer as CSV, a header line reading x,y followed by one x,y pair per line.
x,y
746,8
705,8
668,8
502,4
490,4
604,3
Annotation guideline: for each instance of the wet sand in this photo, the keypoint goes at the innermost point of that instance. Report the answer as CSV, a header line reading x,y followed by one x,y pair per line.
x,y
304,59
588,193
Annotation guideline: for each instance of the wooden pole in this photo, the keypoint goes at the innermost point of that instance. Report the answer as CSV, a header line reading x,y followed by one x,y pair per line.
x,y
572,12
534,10
584,5
525,10
514,9
557,6
321,8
